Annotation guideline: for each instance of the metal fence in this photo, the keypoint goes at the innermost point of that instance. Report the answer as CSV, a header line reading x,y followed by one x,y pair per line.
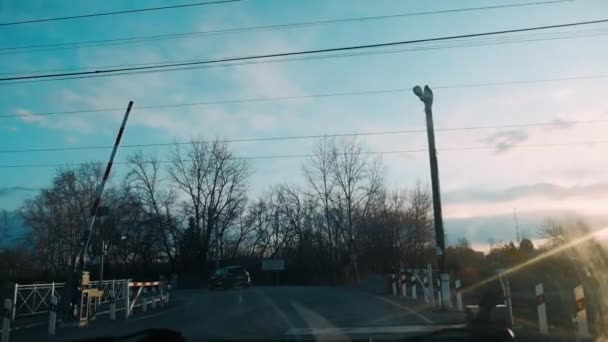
x,y
34,299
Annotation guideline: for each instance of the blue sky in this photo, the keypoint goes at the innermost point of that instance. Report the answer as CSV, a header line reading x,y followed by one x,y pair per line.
x,y
535,180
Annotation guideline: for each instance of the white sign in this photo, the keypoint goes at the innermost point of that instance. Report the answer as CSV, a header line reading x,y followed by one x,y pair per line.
x,y
273,265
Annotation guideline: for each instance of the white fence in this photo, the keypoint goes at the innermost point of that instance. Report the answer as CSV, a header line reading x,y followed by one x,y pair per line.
x,y
34,299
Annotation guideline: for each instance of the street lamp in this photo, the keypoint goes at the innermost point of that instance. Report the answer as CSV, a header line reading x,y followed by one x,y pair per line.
x,y
426,96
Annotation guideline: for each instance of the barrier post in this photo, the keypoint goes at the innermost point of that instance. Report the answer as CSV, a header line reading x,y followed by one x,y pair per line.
x,y
162,296
429,271
16,291
541,308
127,295
154,297
6,320
509,302
393,284
445,291
144,298
403,286
112,307
414,294
425,288
459,305
439,297
581,313
53,315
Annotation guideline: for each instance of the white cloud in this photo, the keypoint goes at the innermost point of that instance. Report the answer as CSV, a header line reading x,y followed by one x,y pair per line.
x,y
29,117
505,140
72,140
67,123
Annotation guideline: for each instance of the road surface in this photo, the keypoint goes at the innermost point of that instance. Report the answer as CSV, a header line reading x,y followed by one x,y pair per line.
x,y
269,313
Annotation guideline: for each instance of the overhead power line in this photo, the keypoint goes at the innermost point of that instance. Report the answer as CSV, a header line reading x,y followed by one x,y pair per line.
x,y
303,52
304,58
141,39
460,43
312,136
301,97
90,15
310,155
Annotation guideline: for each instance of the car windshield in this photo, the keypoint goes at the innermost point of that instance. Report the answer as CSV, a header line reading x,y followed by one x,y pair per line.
x,y
346,169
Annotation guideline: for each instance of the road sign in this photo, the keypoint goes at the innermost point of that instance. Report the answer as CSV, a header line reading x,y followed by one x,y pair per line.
x,y
273,265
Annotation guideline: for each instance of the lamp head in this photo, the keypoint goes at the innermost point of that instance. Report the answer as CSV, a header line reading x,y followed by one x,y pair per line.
x,y
418,92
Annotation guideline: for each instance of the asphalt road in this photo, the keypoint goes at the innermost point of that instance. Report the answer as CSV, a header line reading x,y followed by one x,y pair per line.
x,y
269,313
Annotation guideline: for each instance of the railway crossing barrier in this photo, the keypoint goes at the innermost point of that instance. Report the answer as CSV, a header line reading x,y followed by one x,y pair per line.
x,y
142,294
36,299
410,279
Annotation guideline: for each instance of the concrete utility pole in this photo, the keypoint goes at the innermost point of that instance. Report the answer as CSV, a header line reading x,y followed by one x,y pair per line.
x,y
426,97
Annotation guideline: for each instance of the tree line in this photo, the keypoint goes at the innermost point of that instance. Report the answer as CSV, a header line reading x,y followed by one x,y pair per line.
x,y
334,222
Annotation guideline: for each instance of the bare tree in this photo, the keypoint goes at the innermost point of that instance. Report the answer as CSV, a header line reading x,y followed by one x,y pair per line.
x,y
215,183
420,233
295,212
4,226
239,235
144,182
319,177
359,183
59,215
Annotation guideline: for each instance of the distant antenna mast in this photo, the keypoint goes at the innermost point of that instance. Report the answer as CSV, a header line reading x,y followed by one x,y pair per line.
x,y
517,236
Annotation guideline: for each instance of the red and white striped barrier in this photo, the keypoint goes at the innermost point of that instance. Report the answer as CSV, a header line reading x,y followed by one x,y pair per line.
x,y
541,308
581,313
144,284
145,292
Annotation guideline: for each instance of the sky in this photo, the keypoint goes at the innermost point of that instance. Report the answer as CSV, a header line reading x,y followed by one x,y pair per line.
x,y
542,171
